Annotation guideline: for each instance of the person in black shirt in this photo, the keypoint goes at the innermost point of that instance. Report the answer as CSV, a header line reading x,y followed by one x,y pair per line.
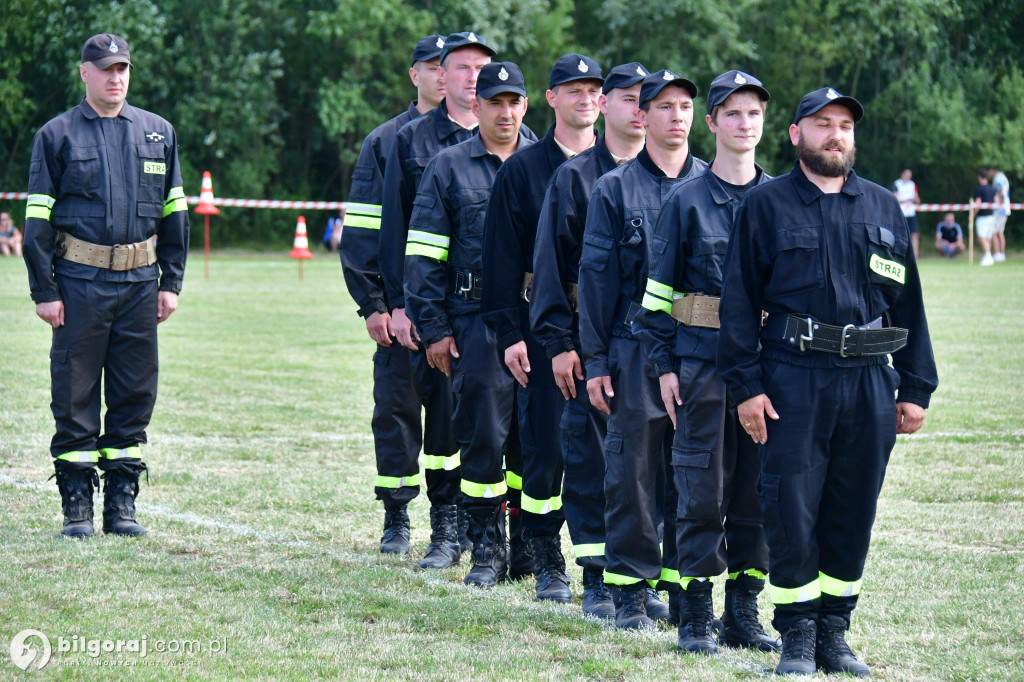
x,y
984,218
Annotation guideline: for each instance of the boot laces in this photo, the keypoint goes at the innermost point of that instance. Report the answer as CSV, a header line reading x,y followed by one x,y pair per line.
x,y
634,602
593,582
835,642
396,523
701,611
797,644
745,610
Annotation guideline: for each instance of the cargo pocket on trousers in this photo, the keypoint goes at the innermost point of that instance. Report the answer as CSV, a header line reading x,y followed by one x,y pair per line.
x,y
697,495
60,380
768,486
574,429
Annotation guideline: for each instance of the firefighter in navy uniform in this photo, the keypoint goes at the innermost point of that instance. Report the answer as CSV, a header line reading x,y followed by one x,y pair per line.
x,y
555,324
718,520
617,242
827,255
401,387
510,230
416,143
106,237
443,287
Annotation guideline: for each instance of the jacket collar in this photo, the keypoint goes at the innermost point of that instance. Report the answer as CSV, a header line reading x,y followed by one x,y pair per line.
x,y
809,192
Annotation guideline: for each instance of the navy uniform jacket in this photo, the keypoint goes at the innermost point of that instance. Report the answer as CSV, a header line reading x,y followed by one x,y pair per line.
x,y
556,256
415,144
360,240
841,258
616,243
107,181
697,221
510,231
446,234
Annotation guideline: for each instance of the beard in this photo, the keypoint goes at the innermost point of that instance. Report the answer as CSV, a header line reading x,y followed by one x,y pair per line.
x,y
826,164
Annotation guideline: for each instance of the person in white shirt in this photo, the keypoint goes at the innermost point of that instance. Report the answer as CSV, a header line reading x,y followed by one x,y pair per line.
x,y
1002,186
905,190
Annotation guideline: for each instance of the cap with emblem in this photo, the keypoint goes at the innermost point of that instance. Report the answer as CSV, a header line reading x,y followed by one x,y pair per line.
x,y
813,102
428,48
574,67
499,77
624,76
731,81
659,80
457,41
105,49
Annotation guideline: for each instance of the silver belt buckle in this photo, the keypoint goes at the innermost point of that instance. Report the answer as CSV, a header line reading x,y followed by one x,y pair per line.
x,y
809,336
842,342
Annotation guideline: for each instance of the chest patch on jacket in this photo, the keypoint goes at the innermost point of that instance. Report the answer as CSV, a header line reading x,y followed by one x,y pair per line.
x,y
886,268
154,167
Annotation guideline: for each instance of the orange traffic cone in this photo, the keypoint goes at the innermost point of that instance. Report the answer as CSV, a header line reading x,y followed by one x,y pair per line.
x,y
205,205
300,249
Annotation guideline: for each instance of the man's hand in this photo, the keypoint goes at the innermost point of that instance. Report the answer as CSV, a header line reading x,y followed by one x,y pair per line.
x,y
404,329
567,368
670,394
166,303
751,413
597,389
909,417
51,312
378,326
517,360
439,354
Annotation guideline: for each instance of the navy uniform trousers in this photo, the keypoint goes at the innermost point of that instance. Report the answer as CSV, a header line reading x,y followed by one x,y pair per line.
x,y
402,383
716,467
821,472
640,505
583,432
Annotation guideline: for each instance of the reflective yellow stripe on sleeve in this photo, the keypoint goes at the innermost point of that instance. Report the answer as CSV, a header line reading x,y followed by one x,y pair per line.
x,y
39,206
657,297
366,216
175,201
427,244
442,463
839,588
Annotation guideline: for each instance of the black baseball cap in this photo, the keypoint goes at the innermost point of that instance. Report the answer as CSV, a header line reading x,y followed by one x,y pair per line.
x,y
574,67
731,81
625,76
457,41
104,49
657,81
428,48
813,102
499,77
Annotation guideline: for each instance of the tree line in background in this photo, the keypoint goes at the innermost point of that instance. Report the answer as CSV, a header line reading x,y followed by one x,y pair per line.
x,y
274,98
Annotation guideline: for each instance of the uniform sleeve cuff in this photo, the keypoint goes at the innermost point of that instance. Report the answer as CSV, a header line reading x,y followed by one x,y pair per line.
x,y
746,391
510,338
557,346
45,296
435,332
909,395
168,284
375,305
597,368
664,365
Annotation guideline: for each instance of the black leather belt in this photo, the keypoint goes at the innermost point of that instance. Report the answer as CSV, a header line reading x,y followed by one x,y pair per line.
x,y
807,334
467,284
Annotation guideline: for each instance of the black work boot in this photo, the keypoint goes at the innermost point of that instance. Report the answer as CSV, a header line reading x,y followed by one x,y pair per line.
x,y
740,625
798,649
443,550
656,609
395,539
630,609
695,615
76,481
833,654
521,562
552,580
487,531
597,598
120,488
463,520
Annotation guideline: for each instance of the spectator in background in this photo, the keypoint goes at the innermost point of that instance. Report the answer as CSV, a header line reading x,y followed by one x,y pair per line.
x,y
10,236
1002,187
984,219
332,235
905,190
949,238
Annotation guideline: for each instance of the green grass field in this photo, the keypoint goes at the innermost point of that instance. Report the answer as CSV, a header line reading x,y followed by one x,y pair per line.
x,y
263,529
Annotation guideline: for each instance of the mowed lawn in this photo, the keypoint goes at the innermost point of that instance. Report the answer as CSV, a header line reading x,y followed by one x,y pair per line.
x,y
263,530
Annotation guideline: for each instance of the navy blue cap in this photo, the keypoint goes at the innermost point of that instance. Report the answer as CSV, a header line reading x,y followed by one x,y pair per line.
x,y
428,48
574,67
457,41
731,81
813,102
105,49
657,81
499,77
625,76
